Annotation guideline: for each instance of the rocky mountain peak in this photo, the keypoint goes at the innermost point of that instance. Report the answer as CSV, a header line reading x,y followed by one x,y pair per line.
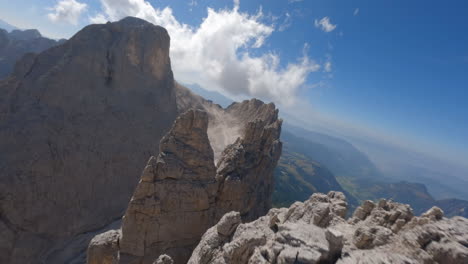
x,y
140,46
27,34
88,112
181,193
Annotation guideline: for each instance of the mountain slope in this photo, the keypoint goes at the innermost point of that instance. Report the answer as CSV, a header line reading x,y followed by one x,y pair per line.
x,y
77,123
453,207
338,155
298,176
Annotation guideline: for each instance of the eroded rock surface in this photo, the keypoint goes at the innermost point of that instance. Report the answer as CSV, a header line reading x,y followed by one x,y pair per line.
x,y
316,232
184,191
77,123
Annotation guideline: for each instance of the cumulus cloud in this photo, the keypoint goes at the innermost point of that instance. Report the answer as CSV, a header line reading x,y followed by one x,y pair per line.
x,y
217,54
325,24
68,11
98,19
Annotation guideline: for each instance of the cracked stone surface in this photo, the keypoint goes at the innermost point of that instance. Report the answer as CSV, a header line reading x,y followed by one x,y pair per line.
x,y
316,232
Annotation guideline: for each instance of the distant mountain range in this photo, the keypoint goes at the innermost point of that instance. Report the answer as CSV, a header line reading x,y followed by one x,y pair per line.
x,y
341,157
15,44
5,25
309,156
454,207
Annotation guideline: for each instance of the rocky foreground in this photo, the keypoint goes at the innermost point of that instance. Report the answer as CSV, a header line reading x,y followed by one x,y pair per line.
x,y
315,231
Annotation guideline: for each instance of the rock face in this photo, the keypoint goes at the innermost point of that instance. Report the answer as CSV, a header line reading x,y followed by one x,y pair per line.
x,y
15,44
316,232
182,193
77,123
174,202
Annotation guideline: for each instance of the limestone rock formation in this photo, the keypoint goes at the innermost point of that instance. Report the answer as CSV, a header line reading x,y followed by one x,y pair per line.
x,y
174,202
299,233
183,192
77,123
103,248
15,44
316,232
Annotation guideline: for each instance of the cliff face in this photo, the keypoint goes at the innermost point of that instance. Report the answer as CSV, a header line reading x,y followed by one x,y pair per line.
x,y
182,193
77,123
316,232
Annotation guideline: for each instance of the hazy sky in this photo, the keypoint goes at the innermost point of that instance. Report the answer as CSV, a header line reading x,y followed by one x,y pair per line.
x,y
395,69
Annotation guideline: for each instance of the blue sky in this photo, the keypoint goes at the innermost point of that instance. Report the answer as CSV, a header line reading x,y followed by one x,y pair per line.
x,y
396,68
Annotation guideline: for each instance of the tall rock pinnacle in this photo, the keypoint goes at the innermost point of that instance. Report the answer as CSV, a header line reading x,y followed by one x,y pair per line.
x,y
182,193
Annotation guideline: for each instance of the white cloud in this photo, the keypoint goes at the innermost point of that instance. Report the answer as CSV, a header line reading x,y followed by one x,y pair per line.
x,y
217,54
327,67
286,22
67,11
98,19
325,24
356,12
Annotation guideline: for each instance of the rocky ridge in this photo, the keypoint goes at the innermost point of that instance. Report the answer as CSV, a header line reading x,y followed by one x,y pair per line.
x,y
185,190
315,231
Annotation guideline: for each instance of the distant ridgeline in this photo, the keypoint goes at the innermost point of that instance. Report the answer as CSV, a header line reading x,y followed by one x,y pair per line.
x,y
14,44
313,162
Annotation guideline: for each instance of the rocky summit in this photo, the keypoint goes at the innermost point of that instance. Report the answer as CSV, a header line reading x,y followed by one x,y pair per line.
x,y
315,231
184,190
77,123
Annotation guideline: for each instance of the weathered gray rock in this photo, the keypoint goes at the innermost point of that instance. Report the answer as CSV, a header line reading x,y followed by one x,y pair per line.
x,y
435,213
295,236
182,193
228,223
77,122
